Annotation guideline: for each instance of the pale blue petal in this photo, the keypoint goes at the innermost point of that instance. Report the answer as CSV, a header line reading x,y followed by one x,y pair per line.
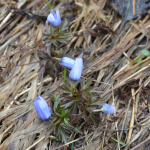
x,y
54,18
76,71
67,62
42,108
108,109
58,16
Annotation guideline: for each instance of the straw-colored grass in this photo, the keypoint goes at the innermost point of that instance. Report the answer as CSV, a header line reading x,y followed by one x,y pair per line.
x,y
124,82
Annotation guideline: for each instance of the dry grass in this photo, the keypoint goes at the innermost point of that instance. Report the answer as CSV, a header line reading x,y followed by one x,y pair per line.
x,y
124,84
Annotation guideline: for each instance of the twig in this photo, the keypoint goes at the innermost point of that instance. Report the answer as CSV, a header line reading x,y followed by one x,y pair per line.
x,y
134,148
134,7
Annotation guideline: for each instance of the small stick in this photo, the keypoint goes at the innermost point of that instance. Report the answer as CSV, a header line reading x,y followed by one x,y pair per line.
x,y
132,117
134,7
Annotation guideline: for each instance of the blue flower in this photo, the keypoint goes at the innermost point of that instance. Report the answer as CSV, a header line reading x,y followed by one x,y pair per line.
x,y
54,18
76,70
68,62
107,109
42,108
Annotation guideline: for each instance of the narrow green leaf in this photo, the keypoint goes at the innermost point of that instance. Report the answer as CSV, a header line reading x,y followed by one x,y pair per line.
x,y
64,136
49,5
77,118
82,83
117,141
65,89
145,52
94,119
87,84
50,131
89,89
64,74
68,104
56,100
98,102
71,127
54,138
109,16
75,84
72,145
64,25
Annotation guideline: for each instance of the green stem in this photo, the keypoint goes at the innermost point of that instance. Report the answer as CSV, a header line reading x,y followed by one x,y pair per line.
x,y
72,88
57,30
49,5
55,122
64,74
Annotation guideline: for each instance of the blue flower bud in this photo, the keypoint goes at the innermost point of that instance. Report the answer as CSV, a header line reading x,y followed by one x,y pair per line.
x,y
107,109
54,18
68,62
76,70
42,108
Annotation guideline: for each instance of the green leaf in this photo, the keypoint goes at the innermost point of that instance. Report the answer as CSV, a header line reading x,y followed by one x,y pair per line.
x,y
139,60
72,127
72,146
53,118
109,16
66,118
98,102
64,136
50,131
54,138
145,52
89,89
117,141
63,112
64,74
62,41
75,84
49,5
64,25
77,118
136,60
94,119
82,83
55,43
68,104
65,89
93,98
56,100
87,84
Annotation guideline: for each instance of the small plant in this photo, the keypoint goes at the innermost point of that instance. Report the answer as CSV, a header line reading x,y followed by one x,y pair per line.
x,y
60,120
145,53
81,101
55,36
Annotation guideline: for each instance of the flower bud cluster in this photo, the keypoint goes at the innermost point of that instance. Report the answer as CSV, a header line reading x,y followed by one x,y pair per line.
x,y
76,67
